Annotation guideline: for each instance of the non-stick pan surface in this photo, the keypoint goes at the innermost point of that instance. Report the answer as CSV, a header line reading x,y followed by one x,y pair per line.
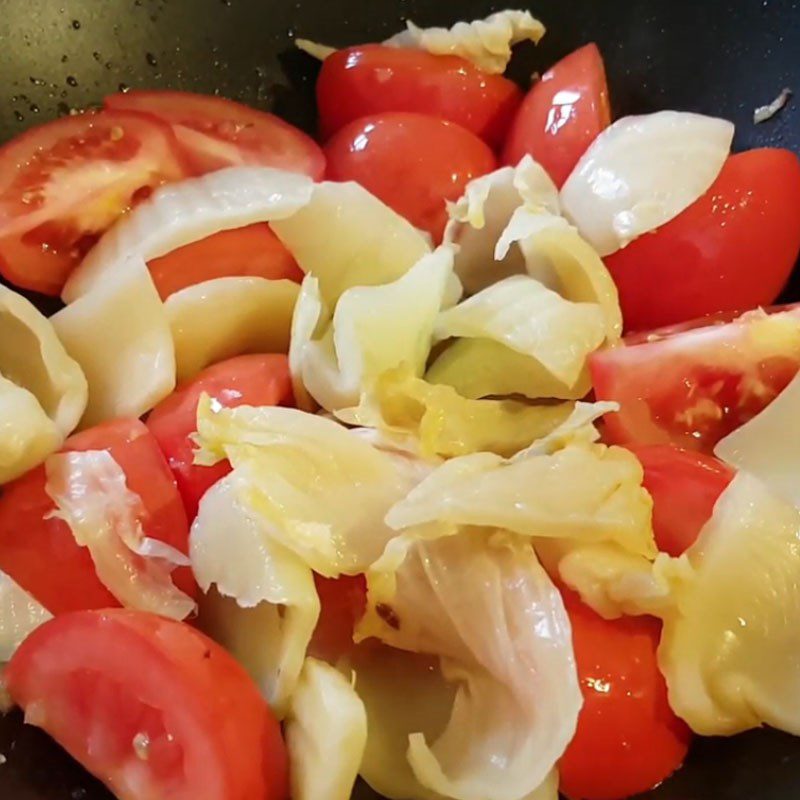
x,y
722,58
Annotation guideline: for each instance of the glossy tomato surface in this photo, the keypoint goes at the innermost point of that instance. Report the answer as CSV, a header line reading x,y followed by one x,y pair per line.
x,y
691,385
257,380
627,740
731,250
64,183
414,163
684,486
371,79
252,251
150,706
40,552
214,132
562,114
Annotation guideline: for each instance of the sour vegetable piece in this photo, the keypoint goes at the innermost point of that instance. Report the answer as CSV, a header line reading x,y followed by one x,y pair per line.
x,y
32,357
150,706
701,261
485,42
131,367
447,423
724,649
372,79
47,561
263,608
642,172
562,114
481,602
346,237
19,615
255,380
373,329
257,318
325,734
412,162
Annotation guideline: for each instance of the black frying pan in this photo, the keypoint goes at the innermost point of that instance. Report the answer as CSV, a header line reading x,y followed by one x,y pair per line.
x,y
713,56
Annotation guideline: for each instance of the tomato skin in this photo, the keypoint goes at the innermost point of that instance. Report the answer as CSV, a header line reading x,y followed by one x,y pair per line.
x,y
49,218
628,739
562,114
731,250
41,554
372,79
96,680
213,132
252,251
343,601
684,486
258,380
690,385
412,162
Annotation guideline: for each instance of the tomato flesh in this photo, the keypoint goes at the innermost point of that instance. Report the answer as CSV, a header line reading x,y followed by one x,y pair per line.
x,y
343,601
412,162
150,706
256,380
40,553
731,250
64,183
562,114
372,79
252,251
693,386
214,133
685,486
628,739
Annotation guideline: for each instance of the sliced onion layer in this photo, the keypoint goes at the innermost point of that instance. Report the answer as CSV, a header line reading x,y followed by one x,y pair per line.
x,y
641,172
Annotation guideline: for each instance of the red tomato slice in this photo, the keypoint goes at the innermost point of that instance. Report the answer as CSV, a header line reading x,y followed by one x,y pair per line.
x,y
371,79
253,251
627,740
256,380
343,601
691,385
41,554
684,486
562,114
215,133
64,183
732,249
412,162
151,706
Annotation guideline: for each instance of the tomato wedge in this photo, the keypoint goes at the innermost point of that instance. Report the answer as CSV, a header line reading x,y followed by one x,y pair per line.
x,y
628,739
256,380
252,251
732,249
412,162
562,114
64,183
40,553
371,79
151,706
684,486
214,132
691,385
